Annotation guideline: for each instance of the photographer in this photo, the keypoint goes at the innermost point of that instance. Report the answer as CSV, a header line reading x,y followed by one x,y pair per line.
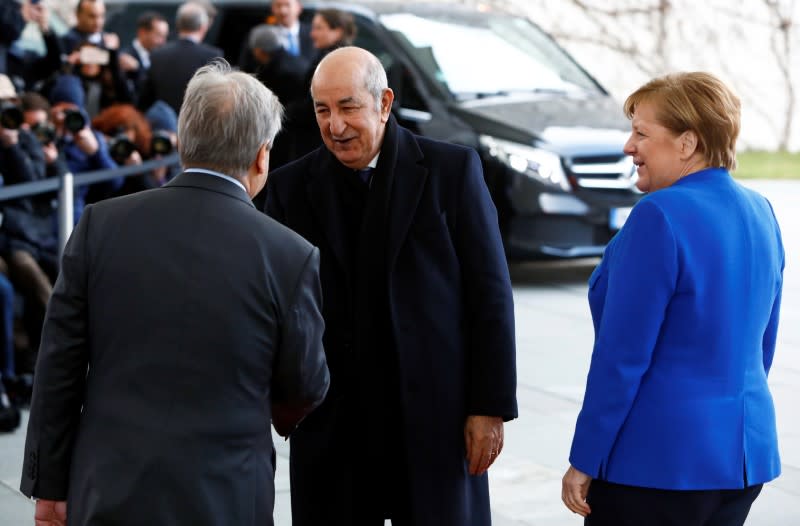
x,y
130,140
84,149
101,77
26,67
164,123
22,160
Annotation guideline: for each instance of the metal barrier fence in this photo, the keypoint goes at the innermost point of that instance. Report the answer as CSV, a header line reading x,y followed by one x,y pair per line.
x,y
66,187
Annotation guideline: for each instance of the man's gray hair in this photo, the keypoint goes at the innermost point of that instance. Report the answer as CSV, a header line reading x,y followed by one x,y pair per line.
x,y
191,17
225,118
266,38
375,79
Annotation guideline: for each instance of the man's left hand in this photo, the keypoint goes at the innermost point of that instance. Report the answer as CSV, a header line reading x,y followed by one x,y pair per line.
x,y
484,441
50,513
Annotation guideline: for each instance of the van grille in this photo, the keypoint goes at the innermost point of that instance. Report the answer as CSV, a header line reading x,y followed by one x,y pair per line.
x,y
612,172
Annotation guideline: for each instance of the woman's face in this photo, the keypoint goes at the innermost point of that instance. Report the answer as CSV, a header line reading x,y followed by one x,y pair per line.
x,y
656,150
322,34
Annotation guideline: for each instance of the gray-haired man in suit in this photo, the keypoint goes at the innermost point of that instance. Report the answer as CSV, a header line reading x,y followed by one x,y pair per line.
x,y
182,323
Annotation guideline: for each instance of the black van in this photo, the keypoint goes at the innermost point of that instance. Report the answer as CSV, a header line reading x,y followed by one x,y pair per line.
x,y
549,135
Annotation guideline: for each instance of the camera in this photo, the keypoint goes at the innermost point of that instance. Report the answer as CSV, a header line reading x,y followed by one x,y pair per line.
x,y
120,147
44,132
161,144
11,116
75,120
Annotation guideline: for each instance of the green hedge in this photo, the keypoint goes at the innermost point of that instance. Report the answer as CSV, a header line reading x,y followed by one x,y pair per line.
x,y
767,165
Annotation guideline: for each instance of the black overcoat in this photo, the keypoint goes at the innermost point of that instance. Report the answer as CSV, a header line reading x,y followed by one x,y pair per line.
x,y
451,321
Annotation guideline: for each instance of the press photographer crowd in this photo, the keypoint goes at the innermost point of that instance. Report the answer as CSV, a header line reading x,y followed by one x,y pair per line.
x,y
91,102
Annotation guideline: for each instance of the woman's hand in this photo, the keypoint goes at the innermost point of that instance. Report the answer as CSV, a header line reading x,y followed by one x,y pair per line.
x,y
574,487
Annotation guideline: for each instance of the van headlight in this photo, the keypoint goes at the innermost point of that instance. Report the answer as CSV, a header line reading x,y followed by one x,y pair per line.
x,y
542,165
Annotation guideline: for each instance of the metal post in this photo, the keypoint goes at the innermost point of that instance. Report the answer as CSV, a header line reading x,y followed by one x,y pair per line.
x,y
65,206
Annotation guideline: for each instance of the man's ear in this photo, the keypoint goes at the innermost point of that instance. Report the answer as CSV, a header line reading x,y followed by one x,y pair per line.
x,y
387,98
262,159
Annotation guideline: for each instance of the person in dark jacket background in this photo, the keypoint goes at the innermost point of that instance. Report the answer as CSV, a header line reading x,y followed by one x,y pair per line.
x,y
11,26
173,64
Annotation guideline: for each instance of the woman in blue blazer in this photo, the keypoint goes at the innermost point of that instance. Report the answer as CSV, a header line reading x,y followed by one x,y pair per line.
x,y
678,424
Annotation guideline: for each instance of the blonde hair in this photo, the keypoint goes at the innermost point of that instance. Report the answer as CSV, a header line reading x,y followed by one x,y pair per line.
x,y
697,102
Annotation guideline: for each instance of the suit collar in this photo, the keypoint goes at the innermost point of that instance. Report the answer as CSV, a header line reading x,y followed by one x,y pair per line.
x,y
211,183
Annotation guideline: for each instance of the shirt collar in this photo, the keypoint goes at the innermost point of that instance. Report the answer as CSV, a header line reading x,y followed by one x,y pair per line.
x,y
374,162
294,30
190,37
143,53
217,174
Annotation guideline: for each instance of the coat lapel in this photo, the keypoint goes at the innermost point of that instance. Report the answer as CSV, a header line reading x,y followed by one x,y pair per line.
x,y
325,203
407,186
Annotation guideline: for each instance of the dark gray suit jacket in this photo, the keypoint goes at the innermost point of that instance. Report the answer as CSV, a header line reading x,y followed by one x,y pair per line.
x,y
171,68
182,323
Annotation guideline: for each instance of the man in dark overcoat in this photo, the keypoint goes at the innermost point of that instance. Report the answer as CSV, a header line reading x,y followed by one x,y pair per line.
x,y
418,309
174,63
182,323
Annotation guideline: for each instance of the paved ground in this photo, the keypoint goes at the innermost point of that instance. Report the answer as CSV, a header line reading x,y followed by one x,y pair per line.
x,y
554,335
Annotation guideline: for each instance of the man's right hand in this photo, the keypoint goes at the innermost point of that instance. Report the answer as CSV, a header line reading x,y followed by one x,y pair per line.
x,y
128,62
50,513
86,141
8,138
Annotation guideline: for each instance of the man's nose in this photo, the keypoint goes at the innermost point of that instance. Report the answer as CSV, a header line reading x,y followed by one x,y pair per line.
x,y
337,124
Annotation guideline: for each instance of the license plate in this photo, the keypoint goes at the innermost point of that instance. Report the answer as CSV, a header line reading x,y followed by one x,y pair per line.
x,y
618,216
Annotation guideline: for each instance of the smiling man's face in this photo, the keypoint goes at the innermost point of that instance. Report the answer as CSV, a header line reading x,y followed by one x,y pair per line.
x,y
350,120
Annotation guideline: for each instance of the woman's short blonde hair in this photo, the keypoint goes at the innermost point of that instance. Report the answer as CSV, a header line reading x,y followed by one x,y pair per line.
x,y
699,102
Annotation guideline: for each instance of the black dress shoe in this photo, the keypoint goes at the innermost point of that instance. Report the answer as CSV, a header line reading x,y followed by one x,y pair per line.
x,y
19,389
9,415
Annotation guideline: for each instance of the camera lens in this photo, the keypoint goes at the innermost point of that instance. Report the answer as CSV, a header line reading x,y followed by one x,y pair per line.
x,y
161,143
120,148
74,121
44,132
11,116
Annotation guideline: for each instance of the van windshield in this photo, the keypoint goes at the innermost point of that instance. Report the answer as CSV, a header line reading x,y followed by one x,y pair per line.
x,y
488,55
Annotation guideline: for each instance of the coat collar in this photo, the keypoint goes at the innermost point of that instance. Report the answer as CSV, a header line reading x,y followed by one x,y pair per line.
x,y
211,183
400,159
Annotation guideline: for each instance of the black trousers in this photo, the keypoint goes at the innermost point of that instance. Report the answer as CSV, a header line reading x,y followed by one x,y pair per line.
x,y
619,505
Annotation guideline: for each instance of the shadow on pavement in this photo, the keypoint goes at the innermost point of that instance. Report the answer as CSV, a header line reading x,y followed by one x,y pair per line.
x,y
564,272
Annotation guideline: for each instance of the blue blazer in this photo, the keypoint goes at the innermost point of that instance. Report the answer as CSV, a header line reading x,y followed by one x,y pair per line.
x,y
685,308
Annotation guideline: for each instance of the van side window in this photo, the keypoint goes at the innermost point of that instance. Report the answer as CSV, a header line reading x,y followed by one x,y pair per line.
x,y
400,78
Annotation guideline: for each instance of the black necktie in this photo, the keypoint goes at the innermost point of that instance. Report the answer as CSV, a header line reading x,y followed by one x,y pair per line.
x,y
365,174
